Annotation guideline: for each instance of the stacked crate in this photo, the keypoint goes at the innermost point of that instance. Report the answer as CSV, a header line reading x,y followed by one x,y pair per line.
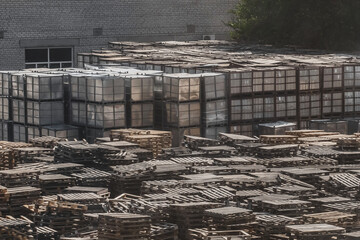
x,y
260,96
5,83
181,104
97,103
194,104
37,101
140,101
214,107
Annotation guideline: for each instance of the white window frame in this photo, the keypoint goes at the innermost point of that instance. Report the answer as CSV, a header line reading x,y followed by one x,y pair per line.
x,y
48,56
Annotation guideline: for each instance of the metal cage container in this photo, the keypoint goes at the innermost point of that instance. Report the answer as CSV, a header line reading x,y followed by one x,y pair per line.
x,y
19,131
140,87
142,115
213,132
19,111
44,86
214,85
4,132
98,115
4,108
105,89
182,114
5,79
215,113
45,113
181,87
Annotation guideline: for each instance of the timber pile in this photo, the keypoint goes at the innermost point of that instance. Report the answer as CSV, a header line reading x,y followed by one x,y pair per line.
x,y
313,231
123,226
45,141
152,140
63,217
54,183
17,228
189,215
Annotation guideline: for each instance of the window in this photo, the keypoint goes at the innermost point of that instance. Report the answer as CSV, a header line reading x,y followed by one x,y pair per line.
x,y
48,58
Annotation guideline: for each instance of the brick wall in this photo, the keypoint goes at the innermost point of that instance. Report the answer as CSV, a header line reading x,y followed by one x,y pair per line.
x,y
139,20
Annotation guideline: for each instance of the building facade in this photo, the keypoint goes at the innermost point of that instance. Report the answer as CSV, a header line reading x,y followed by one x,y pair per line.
x,y
49,33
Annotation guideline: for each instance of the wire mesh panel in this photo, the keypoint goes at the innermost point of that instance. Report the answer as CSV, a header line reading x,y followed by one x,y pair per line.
x,y
45,113
285,80
18,86
44,86
105,89
106,115
215,87
332,78
240,82
78,86
78,113
142,114
286,106
181,87
182,114
269,81
242,109
141,88
33,132
269,107
351,76
332,103
5,79
309,79
242,129
216,112
4,108
61,131
352,101
18,111
4,132
309,105
19,133
212,132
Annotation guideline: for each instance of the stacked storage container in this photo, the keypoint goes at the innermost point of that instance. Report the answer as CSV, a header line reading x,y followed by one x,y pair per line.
x,y
214,107
351,90
97,103
181,105
194,104
37,101
140,100
5,123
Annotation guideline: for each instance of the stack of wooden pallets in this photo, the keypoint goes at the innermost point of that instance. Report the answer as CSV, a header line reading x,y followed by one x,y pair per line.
x,y
55,183
93,202
190,215
123,226
19,196
45,141
17,228
19,177
64,217
7,160
228,218
164,231
313,231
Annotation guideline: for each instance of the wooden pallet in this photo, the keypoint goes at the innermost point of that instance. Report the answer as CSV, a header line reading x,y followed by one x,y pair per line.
x,y
278,139
313,231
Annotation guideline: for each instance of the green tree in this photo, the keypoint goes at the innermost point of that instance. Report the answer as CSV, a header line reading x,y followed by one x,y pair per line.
x,y
327,24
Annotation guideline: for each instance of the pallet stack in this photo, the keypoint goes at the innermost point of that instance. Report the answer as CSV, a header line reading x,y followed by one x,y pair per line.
x,y
124,226
189,216
61,216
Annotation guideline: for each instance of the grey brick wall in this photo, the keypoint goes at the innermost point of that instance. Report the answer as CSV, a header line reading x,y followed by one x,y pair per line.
x,y
138,20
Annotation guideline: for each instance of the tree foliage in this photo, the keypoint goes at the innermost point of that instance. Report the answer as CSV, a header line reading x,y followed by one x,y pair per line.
x,y
327,24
